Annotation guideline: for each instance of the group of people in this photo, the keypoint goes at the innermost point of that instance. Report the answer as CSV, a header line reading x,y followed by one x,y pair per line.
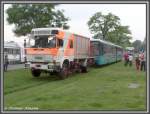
x,y
128,59
140,60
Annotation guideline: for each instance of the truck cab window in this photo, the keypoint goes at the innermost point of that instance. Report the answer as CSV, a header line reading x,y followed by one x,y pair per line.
x,y
51,42
40,42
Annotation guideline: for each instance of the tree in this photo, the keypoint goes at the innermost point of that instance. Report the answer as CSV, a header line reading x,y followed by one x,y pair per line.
x,y
28,16
143,45
137,44
120,35
100,24
60,20
108,27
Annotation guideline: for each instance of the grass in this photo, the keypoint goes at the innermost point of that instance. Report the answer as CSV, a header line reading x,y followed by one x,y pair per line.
x,y
104,88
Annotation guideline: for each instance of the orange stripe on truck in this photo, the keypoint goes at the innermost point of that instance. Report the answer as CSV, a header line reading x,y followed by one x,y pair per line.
x,y
45,51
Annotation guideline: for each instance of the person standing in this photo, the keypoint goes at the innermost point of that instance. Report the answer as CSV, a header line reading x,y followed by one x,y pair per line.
x,y
6,62
137,63
145,63
126,58
142,59
130,59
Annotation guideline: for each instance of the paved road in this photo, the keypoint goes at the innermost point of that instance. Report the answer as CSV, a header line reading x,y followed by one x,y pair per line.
x,y
16,66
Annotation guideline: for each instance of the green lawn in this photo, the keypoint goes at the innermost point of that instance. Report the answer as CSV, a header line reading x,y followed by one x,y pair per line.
x,y
105,88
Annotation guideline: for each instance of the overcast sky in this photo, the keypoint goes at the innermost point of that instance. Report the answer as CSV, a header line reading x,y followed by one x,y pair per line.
x,y
132,15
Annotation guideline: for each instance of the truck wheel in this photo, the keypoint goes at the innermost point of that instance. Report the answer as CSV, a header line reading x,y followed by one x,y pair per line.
x,y
64,71
35,73
83,69
52,73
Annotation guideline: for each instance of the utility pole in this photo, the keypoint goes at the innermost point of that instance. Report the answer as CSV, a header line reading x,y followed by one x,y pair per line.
x,y
25,59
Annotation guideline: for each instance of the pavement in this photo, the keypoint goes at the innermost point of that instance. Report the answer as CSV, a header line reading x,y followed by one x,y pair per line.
x,y
15,66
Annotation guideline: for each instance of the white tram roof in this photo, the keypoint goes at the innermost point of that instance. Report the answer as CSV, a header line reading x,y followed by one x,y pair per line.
x,y
106,42
11,44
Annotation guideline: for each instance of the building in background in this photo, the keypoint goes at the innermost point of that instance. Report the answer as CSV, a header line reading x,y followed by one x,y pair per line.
x,y
14,51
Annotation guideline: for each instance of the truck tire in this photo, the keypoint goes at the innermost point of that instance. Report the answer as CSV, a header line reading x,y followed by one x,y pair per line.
x,y
83,69
35,73
64,71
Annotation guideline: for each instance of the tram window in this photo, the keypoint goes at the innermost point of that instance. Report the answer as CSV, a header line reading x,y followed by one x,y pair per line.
x,y
13,51
101,51
10,51
104,48
5,49
18,51
95,48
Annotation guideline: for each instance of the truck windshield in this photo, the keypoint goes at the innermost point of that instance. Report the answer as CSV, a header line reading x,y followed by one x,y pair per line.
x,y
47,42
51,42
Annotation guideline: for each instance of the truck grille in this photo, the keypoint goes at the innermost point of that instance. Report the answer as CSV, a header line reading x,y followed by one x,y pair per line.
x,y
39,58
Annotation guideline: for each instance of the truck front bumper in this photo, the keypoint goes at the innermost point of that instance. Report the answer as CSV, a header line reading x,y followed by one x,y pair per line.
x,y
46,67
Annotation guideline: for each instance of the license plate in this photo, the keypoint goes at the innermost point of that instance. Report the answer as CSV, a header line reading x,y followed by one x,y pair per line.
x,y
39,58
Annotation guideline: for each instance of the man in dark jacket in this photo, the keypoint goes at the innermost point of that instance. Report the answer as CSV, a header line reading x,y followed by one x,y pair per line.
x,y
6,62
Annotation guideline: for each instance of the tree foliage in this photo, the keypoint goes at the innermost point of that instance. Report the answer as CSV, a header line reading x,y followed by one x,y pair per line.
x,y
120,35
108,27
28,16
137,45
144,44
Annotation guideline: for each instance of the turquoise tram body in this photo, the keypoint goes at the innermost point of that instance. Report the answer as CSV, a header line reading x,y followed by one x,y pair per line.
x,y
105,52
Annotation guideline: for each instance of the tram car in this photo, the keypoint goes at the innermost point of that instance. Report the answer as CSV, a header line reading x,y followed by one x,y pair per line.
x,y
105,52
13,51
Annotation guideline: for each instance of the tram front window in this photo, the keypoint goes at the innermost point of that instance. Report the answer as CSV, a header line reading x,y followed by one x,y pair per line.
x,y
95,50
